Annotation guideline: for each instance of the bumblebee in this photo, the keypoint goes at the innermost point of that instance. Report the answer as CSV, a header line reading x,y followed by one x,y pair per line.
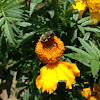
x,y
45,37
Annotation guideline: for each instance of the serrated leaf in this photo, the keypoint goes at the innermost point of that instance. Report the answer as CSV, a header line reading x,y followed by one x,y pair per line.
x,y
1,21
14,19
88,48
97,51
26,95
83,20
33,5
12,14
80,52
16,11
81,29
81,58
95,30
94,67
8,32
8,4
87,22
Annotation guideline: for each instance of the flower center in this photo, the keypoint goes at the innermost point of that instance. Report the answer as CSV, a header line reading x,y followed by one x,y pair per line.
x,y
51,44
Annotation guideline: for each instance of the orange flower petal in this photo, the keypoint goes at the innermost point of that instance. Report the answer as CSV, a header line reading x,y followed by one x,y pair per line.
x,y
86,92
51,51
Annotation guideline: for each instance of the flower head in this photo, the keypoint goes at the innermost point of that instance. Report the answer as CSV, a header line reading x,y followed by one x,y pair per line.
x,y
87,92
92,5
51,74
94,9
51,51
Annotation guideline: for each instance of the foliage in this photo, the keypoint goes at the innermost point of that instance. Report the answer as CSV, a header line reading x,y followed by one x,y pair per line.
x,y
22,22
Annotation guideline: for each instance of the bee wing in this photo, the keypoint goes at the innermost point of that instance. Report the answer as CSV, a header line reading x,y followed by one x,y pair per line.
x,y
43,38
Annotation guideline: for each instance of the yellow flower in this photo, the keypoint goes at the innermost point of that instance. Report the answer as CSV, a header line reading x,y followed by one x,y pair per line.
x,y
92,5
94,9
81,6
51,74
51,51
87,92
92,98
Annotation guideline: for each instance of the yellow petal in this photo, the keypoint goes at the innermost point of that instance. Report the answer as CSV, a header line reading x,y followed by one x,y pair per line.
x,y
81,6
47,80
51,74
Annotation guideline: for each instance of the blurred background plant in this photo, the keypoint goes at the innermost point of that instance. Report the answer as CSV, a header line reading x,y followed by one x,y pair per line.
x,y
22,22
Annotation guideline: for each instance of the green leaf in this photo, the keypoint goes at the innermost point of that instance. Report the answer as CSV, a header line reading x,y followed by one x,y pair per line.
x,y
26,95
51,13
8,4
81,58
72,1
8,32
89,57
95,30
14,19
16,29
88,48
94,67
81,29
75,15
23,24
97,51
72,24
12,14
11,4
87,22
74,36
83,20
33,5
1,21
86,36
26,37
0,14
